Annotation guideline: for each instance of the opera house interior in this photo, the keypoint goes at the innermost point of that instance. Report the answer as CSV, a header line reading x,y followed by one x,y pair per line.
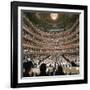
x,y
50,43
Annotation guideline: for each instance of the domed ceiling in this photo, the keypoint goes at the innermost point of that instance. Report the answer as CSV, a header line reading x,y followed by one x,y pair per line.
x,y
52,21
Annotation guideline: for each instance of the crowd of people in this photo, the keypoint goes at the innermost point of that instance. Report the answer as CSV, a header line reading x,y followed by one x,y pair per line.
x,y
36,41
49,65
68,34
28,66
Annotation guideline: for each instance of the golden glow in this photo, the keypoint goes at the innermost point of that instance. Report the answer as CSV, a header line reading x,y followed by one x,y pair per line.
x,y
54,16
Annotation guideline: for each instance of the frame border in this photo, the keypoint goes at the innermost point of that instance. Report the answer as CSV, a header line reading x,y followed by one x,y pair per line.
x,y
14,44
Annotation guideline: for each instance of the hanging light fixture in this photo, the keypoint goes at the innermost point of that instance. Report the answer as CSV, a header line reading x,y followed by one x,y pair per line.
x,y
54,16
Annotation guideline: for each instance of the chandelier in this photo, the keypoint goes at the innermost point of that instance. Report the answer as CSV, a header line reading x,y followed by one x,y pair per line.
x,y
54,16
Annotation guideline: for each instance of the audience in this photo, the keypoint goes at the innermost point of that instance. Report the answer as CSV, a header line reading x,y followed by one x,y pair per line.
x,y
48,67
43,70
29,72
59,71
28,69
36,41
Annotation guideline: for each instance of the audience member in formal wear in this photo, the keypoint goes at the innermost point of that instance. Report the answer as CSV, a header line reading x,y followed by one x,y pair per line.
x,y
28,69
59,71
43,70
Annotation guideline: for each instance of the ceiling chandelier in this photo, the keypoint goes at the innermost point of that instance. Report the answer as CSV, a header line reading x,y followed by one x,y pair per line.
x,y
54,16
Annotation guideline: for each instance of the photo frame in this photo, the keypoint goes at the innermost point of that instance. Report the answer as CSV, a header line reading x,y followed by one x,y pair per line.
x,y
48,44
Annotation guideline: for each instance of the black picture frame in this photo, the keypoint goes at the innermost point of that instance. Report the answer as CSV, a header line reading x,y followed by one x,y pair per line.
x,y
14,44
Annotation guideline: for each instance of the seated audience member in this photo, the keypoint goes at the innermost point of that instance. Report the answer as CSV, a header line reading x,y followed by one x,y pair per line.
x,y
73,63
43,70
28,69
59,71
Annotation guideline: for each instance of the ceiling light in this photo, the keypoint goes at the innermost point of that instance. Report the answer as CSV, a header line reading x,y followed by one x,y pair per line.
x,y
54,16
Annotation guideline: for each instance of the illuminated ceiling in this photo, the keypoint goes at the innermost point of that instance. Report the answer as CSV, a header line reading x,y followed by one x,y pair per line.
x,y
52,21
